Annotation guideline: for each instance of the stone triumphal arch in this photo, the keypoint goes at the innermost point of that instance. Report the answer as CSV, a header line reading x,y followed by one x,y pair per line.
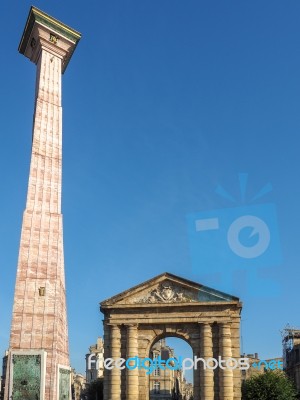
x,y
168,305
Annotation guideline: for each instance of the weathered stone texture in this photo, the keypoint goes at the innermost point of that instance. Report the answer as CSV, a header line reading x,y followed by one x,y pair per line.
x,y
39,319
171,306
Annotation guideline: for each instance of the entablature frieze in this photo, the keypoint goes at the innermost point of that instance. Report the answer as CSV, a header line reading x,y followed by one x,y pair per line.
x,y
144,306
144,324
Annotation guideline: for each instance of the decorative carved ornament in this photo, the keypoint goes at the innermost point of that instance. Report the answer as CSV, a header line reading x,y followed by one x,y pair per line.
x,y
166,293
53,38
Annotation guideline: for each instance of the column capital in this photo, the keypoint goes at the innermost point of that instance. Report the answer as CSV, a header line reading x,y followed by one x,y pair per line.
x,y
205,329
115,333
132,326
223,326
43,32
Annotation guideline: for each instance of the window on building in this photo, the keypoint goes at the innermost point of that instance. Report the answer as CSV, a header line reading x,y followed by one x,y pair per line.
x,y
157,371
92,362
156,387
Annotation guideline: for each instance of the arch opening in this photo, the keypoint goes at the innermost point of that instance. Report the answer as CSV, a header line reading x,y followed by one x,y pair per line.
x,y
169,380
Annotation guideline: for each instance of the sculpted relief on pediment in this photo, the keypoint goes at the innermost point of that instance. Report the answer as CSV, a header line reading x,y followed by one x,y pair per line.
x,y
167,292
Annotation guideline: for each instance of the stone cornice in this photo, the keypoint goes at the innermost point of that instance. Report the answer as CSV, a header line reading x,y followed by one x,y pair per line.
x,y
170,305
37,17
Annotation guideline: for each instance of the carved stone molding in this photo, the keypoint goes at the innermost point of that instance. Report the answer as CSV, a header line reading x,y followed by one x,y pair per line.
x,y
166,293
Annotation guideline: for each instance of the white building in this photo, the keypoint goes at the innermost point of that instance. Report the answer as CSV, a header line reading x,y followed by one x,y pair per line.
x,y
95,361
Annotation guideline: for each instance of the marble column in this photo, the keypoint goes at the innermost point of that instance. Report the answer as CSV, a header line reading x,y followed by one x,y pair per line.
x,y
132,375
115,375
39,319
226,374
206,352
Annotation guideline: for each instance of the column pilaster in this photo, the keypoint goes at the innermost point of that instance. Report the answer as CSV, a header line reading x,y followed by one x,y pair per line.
x,y
132,377
206,352
115,385
236,353
226,374
106,372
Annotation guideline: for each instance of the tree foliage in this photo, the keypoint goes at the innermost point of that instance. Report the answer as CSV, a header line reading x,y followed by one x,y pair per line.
x,y
95,390
271,385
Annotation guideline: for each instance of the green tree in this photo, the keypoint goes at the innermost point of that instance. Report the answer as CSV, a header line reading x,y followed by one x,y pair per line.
x,y
95,390
271,385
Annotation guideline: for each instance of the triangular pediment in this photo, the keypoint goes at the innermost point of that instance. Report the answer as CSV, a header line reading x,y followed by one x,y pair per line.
x,y
168,289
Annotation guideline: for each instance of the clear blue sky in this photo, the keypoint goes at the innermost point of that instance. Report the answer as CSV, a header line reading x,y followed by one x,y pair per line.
x,y
163,100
